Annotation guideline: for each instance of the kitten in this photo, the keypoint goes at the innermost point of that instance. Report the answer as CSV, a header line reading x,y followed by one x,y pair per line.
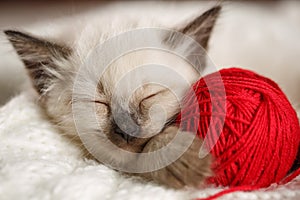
x,y
136,125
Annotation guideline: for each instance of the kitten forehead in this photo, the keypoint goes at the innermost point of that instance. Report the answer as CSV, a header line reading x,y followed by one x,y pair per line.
x,y
142,67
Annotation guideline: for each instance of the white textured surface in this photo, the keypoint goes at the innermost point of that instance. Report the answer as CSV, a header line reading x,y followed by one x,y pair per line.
x,y
37,162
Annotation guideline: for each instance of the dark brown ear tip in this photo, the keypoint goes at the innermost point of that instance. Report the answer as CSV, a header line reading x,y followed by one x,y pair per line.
x,y
11,33
214,10
217,8
15,34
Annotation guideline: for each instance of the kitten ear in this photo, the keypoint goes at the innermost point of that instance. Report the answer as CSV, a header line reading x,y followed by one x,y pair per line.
x,y
38,56
201,27
200,30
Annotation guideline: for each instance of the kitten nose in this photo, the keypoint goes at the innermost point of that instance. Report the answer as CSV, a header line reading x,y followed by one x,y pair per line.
x,y
126,136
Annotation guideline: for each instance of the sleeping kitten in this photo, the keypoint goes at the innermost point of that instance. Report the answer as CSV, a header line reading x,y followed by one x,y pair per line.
x,y
139,118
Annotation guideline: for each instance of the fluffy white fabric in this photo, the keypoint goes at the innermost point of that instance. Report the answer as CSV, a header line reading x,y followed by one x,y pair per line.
x,y
37,162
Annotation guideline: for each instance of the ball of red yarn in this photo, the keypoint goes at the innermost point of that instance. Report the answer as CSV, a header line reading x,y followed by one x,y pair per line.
x,y
255,128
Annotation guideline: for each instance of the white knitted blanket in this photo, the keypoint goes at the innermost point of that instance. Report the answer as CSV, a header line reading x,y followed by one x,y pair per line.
x,y
37,162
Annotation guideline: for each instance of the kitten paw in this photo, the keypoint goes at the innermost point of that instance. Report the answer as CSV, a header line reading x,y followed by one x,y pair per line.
x,y
187,170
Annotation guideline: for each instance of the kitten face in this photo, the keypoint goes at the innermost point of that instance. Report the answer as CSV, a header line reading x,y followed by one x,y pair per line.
x,y
130,108
131,105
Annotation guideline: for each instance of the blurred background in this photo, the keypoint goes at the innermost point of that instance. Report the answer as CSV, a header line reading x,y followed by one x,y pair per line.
x,y
259,35
28,15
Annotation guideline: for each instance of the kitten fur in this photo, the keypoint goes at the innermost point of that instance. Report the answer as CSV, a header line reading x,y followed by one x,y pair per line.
x,y
53,65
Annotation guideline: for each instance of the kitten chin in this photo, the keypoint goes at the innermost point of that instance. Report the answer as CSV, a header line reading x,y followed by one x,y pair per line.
x,y
188,169
53,66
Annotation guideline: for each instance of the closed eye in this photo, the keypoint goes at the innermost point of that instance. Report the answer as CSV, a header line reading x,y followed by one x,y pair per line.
x,y
151,96
102,102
